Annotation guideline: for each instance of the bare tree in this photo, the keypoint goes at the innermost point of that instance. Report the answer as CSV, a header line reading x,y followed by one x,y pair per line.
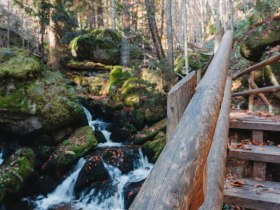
x,y
92,20
125,45
186,36
170,53
154,29
100,21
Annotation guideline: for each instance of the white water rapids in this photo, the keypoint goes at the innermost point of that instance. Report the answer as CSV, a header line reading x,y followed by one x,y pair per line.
x,y
93,199
1,156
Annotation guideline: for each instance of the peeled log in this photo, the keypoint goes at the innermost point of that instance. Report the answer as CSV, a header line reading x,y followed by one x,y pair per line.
x,y
177,177
216,162
258,66
271,89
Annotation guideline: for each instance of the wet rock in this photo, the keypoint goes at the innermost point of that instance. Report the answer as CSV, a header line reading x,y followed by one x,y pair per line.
x,y
15,171
92,172
130,192
148,133
259,38
98,45
78,144
99,136
152,149
59,135
122,158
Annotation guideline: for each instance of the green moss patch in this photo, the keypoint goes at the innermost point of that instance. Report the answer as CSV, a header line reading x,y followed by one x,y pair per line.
x,y
79,143
15,171
17,64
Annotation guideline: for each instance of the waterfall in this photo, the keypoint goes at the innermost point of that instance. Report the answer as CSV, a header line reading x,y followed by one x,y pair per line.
x,y
64,192
111,195
1,156
100,125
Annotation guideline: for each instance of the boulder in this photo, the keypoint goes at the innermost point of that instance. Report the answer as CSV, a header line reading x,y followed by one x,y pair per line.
x,y
30,104
98,45
78,144
148,133
15,171
93,171
152,149
259,38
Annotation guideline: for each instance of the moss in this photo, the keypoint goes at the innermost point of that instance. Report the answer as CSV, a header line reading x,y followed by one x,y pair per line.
x,y
153,148
15,171
98,45
18,65
79,143
154,114
149,133
260,37
88,65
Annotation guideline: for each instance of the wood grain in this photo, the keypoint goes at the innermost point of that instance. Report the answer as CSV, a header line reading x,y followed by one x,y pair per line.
x,y
217,156
176,177
178,99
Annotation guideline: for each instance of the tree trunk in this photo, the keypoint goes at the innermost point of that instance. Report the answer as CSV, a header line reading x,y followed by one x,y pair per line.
x,y
100,22
154,29
170,53
54,55
92,21
8,24
114,15
217,27
186,37
125,45
231,14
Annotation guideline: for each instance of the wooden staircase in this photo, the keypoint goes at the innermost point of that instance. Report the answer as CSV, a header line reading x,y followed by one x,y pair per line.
x,y
255,192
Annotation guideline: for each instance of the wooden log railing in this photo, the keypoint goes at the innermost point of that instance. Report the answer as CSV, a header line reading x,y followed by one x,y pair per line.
x,y
271,89
177,180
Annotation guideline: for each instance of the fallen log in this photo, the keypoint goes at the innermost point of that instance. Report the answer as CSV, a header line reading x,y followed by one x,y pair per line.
x,y
271,89
176,179
216,162
258,66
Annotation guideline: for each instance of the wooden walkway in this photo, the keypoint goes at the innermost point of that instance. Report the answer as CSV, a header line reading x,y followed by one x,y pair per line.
x,y
254,192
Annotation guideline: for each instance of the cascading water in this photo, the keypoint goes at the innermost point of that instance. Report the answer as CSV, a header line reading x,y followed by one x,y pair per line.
x,y
1,157
94,199
100,125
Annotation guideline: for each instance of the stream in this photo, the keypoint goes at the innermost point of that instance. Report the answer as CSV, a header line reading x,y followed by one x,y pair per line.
x,y
109,196
1,156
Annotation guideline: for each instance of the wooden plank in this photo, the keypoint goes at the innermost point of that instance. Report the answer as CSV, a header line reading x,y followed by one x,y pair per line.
x,y
259,168
216,162
268,154
250,196
178,99
176,178
258,66
243,120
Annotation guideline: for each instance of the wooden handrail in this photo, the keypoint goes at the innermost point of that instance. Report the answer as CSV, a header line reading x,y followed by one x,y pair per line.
x,y
176,179
271,89
178,99
258,66
216,162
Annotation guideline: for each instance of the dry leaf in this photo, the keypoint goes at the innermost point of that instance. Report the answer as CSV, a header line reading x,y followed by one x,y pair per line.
x,y
247,147
237,183
259,185
260,148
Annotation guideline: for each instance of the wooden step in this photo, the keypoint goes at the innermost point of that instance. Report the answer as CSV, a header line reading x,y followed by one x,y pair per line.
x,y
267,154
253,197
245,120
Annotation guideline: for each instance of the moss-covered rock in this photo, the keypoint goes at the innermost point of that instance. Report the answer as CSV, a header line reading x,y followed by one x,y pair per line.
x,y
44,104
149,133
78,144
15,171
17,64
118,76
152,149
88,65
259,37
98,45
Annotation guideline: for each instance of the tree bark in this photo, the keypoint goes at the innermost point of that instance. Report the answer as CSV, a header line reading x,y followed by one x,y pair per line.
x,y
92,21
54,55
170,51
154,29
100,21
125,45
270,89
186,37
114,15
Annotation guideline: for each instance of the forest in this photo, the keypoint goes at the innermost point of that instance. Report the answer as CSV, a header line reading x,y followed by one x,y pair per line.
x,y
87,86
